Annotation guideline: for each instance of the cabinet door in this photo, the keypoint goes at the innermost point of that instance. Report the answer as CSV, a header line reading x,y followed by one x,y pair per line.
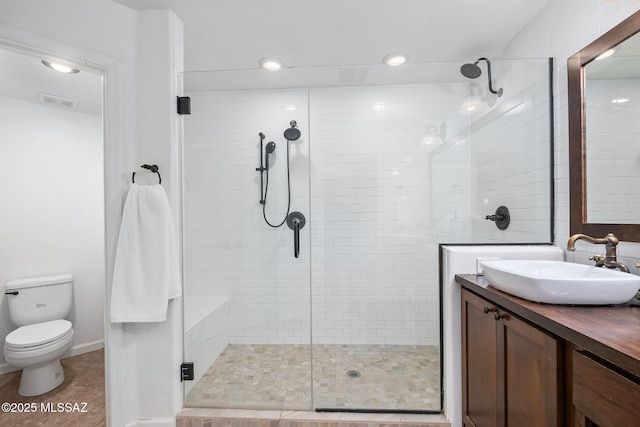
x,y
602,397
530,390
479,362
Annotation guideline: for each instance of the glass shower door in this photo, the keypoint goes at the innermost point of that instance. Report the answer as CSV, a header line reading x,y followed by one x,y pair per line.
x,y
375,289
247,305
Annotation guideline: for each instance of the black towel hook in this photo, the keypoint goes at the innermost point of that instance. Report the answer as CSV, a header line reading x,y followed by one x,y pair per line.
x,y
152,168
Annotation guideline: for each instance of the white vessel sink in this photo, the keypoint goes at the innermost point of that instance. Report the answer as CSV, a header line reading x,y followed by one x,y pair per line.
x,y
558,282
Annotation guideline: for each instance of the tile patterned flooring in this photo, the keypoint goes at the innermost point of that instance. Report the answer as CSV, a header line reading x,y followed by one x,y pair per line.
x,y
83,382
401,377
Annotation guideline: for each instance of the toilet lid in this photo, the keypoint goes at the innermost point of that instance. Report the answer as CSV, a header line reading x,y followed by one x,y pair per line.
x,y
40,333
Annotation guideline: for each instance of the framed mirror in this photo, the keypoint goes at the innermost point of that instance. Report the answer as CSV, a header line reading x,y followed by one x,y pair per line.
x,y
604,134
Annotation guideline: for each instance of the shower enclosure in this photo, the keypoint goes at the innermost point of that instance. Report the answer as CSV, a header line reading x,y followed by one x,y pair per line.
x,y
390,163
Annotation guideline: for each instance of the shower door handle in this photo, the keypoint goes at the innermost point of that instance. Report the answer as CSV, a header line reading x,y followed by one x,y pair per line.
x,y
296,221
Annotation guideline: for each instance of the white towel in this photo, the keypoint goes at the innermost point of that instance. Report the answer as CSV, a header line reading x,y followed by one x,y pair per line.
x,y
147,270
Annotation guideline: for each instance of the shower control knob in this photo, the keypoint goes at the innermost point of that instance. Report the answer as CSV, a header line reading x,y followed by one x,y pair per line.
x,y
495,217
502,217
296,221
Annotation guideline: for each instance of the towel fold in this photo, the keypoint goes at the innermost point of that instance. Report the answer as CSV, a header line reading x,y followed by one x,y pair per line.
x,y
147,269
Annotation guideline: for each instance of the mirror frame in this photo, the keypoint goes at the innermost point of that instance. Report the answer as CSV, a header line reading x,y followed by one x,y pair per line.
x,y
577,133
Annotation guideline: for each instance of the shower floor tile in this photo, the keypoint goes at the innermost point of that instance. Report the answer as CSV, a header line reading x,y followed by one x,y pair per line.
x,y
401,377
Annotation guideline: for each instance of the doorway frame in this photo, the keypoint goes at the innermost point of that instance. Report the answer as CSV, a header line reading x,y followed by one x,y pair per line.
x,y
114,172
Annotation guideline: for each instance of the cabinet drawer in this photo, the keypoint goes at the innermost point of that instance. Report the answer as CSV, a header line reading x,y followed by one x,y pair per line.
x,y
602,395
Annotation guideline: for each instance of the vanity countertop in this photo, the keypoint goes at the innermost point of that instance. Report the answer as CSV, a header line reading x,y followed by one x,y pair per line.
x,y
609,332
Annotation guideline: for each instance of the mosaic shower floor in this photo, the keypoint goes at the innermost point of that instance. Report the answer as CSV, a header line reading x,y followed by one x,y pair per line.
x,y
393,377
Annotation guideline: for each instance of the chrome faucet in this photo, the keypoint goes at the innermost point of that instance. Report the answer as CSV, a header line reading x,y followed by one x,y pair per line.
x,y
610,241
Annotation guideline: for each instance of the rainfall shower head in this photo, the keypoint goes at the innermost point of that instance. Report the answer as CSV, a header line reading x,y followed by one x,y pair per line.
x,y
292,133
472,71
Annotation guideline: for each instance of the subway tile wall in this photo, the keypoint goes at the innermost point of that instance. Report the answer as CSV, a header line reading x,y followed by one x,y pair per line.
x,y
229,249
561,29
510,164
206,324
379,193
374,268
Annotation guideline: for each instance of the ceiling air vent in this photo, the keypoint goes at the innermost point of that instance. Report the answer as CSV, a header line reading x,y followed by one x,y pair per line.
x,y
58,101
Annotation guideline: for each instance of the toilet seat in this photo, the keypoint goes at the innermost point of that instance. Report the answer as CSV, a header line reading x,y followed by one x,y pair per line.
x,y
37,350
38,336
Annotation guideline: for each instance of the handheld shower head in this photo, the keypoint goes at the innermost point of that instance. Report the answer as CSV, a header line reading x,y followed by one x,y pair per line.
x,y
292,133
270,148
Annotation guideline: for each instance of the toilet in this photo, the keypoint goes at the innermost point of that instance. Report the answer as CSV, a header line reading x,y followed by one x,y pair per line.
x,y
38,307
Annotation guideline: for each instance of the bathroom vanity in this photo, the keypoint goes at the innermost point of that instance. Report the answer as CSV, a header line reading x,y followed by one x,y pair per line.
x,y
532,364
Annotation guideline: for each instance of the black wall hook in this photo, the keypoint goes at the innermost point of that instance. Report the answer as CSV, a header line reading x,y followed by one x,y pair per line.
x,y
152,168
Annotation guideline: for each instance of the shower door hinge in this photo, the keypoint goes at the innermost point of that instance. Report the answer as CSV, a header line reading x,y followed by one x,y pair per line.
x,y
184,105
186,371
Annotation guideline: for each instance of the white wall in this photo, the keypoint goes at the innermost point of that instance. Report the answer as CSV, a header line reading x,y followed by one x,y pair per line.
x,y
561,29
52,167
373,209
510,157
141,53
157,347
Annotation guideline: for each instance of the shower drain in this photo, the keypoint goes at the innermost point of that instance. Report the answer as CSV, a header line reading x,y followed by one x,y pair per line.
x,y
353,373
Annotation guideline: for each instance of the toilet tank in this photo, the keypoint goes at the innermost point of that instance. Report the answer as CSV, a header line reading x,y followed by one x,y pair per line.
x,y
39,299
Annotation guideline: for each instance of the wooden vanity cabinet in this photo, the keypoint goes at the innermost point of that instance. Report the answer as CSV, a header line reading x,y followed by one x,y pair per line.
x,y
601,396
531,364
512,371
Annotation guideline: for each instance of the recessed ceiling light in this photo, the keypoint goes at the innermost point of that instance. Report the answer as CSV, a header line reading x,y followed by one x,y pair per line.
x,y
396,58
60,67
271,64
